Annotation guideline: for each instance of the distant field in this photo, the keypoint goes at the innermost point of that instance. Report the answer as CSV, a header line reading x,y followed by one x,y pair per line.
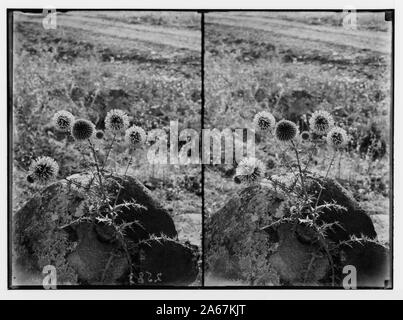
x,y
180,20
293,27
121,27
374,21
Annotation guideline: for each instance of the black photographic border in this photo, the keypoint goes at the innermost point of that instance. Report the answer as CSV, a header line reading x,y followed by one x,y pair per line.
x,y
202,13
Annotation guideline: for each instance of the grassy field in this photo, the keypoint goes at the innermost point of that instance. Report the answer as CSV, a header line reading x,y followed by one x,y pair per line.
x,y
292,64
146,63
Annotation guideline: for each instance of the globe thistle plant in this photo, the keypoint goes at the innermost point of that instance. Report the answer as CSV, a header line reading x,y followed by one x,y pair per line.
x,y
116,120
337,138
82,130
264,121
63,120
285,130
321,122
135,136
250,170
43,170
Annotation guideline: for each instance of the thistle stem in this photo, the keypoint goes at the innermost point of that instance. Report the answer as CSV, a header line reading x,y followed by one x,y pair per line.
x,y
94,153
310,157
300,169
121,186
286,162
327,173
109,151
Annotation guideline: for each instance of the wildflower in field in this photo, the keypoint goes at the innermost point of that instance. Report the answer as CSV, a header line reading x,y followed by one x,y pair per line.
x,y
116,120
63,120
99,134
43,170
135,136
82,129
305,136
321,122
249,170
264,121
337,137
285,130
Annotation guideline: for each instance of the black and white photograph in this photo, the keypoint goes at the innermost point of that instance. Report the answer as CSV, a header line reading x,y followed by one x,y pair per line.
x,y
309,204
95,97
210,149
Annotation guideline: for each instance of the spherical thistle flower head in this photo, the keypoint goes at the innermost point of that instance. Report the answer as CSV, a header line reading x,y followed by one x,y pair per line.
x,y
264,121
99,134
135,136
63,120
285,130
250,170
321,122
82,129
43,170
305,136
116,120
337,138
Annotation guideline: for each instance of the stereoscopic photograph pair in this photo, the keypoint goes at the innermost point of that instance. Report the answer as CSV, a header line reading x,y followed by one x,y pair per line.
x,y
200,149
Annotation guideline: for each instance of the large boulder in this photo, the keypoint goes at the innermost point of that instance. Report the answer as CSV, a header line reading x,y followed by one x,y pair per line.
x,y
47,231
353,221
235,234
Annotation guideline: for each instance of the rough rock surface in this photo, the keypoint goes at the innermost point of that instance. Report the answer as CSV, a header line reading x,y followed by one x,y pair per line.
x,y
353,221
233,236
43,234
154,220
91,256
233,241
295,261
